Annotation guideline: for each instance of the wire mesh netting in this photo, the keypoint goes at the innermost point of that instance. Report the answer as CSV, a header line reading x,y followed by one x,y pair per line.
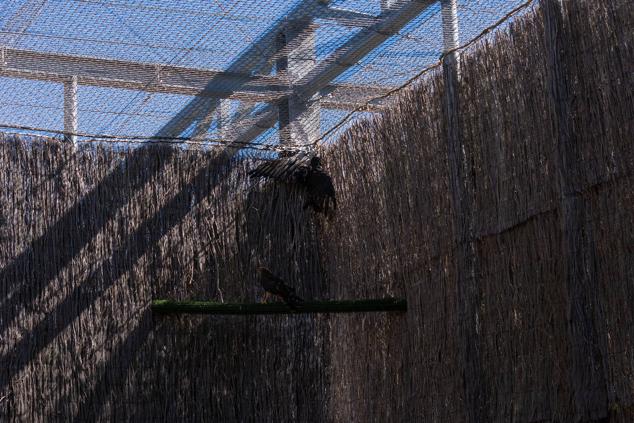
x,y
533,327
216,71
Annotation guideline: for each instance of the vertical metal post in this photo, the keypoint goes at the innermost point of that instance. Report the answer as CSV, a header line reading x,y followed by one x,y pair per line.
x,y
466,260
387,5
281,69
70,109
450,31
299,118
224,118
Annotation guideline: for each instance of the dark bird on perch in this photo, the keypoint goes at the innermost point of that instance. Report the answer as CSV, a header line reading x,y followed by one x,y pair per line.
x,y
275,286
304,170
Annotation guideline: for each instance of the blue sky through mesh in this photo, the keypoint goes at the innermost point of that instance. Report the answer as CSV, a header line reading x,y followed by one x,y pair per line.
x,y
210,35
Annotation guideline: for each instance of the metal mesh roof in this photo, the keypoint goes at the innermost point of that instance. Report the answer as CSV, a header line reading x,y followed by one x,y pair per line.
x,y
215,70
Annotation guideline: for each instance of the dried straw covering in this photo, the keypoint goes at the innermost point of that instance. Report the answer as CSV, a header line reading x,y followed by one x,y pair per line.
x,y
520,307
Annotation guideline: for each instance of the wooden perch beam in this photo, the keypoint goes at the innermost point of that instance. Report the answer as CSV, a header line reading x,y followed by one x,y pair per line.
x,y
346,306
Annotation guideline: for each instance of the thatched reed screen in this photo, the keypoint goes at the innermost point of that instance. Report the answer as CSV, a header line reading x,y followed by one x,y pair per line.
x,y
537,327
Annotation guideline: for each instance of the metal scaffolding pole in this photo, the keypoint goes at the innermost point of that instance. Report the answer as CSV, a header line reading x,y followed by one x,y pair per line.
x,y
298,118
450,32
70,109
387,4
224,118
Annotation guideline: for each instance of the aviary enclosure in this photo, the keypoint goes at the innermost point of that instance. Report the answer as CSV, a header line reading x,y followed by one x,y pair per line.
x,y
501,209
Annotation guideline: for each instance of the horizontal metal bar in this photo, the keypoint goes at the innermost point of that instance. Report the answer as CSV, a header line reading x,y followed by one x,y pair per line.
x,y
352,97
346,17
138,76
357,107
347,306
110,73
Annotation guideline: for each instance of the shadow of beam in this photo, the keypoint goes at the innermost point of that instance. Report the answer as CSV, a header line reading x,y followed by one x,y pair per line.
x,y
130,173
124,356
146,235
42,263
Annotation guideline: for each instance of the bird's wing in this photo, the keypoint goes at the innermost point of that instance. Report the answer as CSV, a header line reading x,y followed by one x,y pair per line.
x,y
320,183
267,169
284,289
273,284
285,169
321,192
276,286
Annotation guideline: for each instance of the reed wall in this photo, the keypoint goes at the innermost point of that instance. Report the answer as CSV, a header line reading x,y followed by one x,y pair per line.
x,y
515,253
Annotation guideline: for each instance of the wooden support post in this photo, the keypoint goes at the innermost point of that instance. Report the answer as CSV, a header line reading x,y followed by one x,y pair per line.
x,y
586,317
348,306
70,109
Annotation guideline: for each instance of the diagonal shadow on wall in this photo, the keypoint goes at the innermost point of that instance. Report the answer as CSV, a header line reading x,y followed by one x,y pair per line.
x,y
86,227
111,374
130,173
124,355
83,296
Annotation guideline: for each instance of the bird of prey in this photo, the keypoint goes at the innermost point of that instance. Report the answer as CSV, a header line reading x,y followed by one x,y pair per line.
x,y
275,286
304,170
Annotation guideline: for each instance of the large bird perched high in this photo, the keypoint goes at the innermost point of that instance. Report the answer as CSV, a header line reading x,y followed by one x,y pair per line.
x,y
302,169
276,286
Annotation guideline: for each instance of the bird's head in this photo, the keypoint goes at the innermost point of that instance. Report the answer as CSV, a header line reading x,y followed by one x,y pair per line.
x,y
315,162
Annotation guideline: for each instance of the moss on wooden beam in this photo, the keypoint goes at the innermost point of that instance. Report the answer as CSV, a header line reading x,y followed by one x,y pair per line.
x,y
346,306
